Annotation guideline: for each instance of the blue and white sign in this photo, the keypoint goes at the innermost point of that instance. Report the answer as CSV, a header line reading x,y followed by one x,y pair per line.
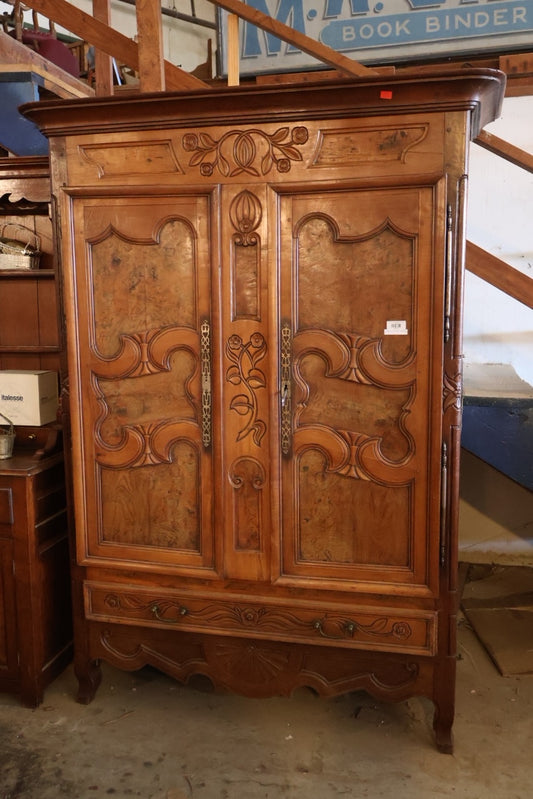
x,y
380,31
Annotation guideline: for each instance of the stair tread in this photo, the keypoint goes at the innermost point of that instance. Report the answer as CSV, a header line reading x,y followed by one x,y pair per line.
x,y
495,382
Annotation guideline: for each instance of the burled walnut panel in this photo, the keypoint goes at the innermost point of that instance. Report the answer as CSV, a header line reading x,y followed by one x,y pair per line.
x,y
355,476
148,289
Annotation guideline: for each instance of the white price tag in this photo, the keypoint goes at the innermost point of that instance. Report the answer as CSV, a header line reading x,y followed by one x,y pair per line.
x,y
396,327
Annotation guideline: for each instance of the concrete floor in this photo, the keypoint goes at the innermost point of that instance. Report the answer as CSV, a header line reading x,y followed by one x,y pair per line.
x,y
146,736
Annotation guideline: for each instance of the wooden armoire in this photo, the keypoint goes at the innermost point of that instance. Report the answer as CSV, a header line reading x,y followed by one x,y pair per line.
x,y
262,289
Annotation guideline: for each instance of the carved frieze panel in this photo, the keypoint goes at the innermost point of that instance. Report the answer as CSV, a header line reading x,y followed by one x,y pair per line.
x,y
253,152
118,159
353,146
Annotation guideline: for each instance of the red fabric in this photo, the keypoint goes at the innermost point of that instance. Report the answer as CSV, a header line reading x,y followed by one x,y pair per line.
x,y
51,48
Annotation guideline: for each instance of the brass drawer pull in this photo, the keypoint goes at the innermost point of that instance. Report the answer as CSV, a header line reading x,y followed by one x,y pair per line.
x,y
348,629
156,612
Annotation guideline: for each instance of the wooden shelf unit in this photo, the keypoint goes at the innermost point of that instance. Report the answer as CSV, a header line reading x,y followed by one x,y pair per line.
x,y
35,605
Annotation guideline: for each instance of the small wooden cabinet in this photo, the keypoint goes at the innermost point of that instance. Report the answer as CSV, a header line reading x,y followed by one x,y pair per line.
x,y
35,605
35,614
263,298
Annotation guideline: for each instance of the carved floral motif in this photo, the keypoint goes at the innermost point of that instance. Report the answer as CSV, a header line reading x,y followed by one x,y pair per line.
x,y
243,371
252,152
452,392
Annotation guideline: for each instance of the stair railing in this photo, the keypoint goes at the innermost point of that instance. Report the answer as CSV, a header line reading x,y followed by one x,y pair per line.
x,y
482,263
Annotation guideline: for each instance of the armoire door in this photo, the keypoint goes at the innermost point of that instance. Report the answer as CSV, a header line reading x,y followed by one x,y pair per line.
x,y
361,339
141,353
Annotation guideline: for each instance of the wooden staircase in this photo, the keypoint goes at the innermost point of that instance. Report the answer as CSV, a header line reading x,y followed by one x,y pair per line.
x,y
27,75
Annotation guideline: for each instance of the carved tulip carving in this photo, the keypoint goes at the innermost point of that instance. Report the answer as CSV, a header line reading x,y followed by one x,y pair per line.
x,y
245,214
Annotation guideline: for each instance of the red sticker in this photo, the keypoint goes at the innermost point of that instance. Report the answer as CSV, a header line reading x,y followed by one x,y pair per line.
x,y
386,94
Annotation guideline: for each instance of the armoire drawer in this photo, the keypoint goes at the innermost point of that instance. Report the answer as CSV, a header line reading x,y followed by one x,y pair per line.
x,y
383,629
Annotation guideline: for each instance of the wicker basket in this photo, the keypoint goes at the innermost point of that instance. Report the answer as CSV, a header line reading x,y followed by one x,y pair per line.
x,y
19,254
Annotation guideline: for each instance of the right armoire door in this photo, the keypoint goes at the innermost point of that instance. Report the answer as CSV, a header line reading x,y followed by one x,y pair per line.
x,y
362,279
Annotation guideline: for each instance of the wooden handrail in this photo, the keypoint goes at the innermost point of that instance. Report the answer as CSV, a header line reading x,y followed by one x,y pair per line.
x,y
15,55
103,63
305,43
505,150
500,274
109,40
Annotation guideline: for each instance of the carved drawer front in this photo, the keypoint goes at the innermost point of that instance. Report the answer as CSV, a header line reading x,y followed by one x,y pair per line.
x,y
327,624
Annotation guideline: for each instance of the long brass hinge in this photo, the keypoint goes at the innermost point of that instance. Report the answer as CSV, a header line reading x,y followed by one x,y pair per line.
x,y
443,505
449,273
285,389
205,357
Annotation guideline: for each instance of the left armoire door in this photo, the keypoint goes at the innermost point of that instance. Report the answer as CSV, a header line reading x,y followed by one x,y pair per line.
x,y
143,350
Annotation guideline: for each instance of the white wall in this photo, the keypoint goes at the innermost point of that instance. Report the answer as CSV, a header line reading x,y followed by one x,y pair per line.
x,y
497,328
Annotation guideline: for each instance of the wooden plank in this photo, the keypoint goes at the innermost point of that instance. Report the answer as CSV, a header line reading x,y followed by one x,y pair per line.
x,y
110,41
506,150
103,68
310,46
16,57
517,64
150,41
499,274
233,50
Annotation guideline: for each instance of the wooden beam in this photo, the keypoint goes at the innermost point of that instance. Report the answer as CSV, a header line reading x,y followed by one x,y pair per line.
x,y
310,46
499,274
103,68
150,41
506,150
110,41
16,57
233,50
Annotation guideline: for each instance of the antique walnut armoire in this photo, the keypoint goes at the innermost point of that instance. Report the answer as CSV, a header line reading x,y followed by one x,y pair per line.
x,y
262,290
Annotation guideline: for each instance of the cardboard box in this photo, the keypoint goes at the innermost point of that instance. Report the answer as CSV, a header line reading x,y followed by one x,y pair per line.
x,y
29,397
